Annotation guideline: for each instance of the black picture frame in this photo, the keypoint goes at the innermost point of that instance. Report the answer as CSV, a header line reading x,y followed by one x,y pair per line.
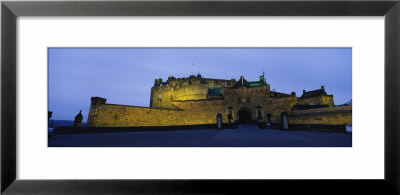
x,y
10,10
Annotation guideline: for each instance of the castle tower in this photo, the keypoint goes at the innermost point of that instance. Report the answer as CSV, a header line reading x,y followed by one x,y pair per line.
x,y
96,102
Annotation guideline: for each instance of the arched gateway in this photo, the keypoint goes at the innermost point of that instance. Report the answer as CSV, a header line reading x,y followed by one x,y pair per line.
x,y
244,116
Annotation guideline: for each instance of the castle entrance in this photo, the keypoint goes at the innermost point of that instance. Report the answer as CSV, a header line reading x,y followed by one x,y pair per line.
x,y
244,116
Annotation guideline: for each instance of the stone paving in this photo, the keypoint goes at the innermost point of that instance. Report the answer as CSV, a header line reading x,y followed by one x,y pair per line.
x,y
244,136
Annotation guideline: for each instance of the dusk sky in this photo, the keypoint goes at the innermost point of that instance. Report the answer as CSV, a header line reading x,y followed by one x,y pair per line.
x,y
126,75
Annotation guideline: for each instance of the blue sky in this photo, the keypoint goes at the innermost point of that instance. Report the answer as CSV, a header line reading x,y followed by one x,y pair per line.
x,y
126,75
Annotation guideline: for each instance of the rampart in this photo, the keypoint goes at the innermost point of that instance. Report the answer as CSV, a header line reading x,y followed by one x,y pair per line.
x,y
333,116
112,115
324,100
182,89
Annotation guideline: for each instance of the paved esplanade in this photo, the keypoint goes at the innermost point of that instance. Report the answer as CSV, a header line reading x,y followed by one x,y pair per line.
x,y
244,136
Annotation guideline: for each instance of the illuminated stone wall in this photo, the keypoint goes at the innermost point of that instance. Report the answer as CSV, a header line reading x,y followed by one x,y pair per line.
x,y
184,102
278,106
320,110
331,116
192,88
203,111
324,99
111,115
251,98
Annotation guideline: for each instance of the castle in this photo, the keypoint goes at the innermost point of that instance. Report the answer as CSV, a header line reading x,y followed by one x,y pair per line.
x,y
205,101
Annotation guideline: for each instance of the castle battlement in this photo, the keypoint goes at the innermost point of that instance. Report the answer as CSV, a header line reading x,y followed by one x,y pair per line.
x,y
192,80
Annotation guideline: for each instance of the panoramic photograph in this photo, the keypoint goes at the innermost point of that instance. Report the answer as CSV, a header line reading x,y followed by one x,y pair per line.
x,y
199,97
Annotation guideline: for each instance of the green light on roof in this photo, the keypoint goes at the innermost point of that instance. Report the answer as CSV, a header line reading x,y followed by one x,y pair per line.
x,y
255,84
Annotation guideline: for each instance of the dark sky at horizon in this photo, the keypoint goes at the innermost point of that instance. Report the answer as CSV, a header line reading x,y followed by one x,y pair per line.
x,y
126,75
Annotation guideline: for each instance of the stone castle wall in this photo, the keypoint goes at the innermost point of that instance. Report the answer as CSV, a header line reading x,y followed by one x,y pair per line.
x,y
194,88
277,106
110,115
194,113
324,100
203,111
321,110
184,102
332,116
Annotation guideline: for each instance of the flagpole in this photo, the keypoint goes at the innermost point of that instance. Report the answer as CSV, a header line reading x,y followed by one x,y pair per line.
x,y
241,70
